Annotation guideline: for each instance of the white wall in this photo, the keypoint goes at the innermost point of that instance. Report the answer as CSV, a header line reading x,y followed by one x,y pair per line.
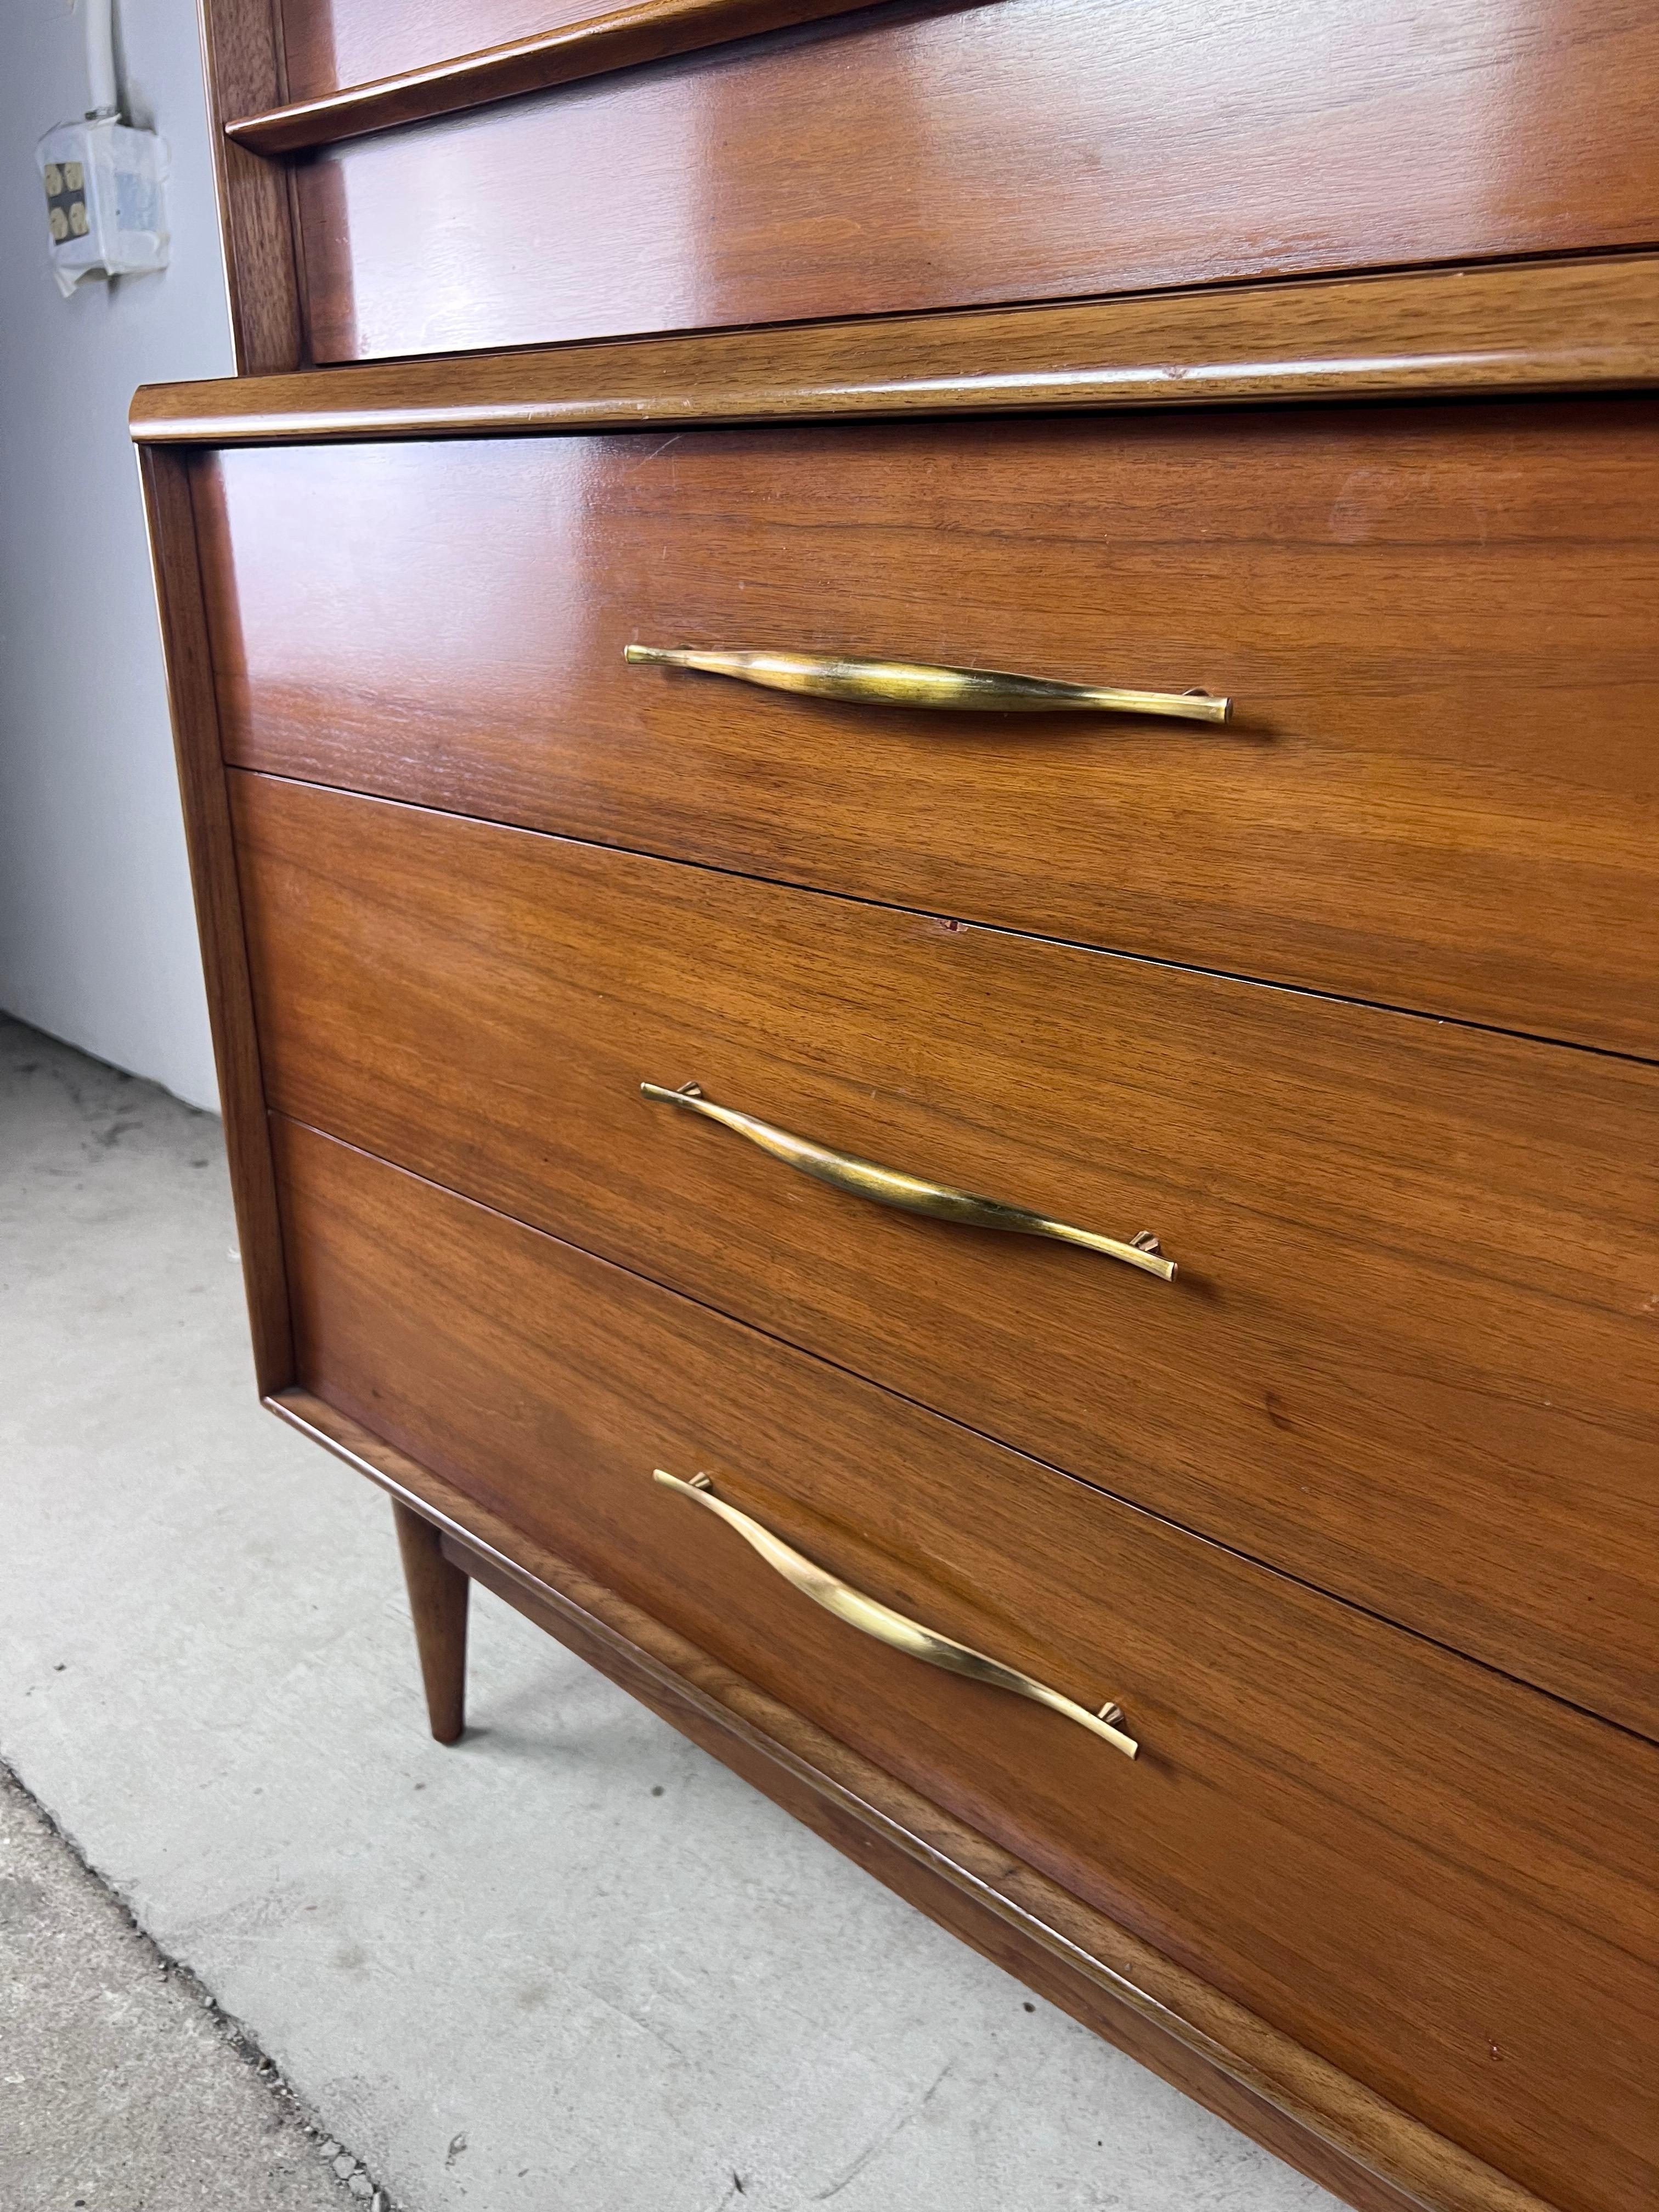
x,y
97,939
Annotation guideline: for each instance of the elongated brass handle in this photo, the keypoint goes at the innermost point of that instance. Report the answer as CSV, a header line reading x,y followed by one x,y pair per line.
x,y
896,1629
891,1187
914,684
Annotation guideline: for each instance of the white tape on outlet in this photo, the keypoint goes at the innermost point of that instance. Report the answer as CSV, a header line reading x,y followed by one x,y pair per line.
x,y
105,212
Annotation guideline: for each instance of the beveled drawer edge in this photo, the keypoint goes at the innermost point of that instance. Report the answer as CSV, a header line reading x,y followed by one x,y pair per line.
x,y
1501,328
1403,2161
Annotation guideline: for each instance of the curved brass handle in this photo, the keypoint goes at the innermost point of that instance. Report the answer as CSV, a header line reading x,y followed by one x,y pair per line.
x,y
891,1187
914,684
896,1629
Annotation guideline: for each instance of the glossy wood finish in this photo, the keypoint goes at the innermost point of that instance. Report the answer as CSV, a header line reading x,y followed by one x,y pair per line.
x,y
241,46
218,908
1439,626
863,167
1531,327
438,1604
1397,1857
586,46
1417,1282
1341,2133
331,44
1384,1847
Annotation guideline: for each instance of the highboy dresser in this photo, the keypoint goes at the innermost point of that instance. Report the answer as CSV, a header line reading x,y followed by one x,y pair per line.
x,y
922,748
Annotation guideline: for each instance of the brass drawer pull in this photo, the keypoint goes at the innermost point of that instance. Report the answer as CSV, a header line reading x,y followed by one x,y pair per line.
x,y
896,1629
914,684
890,1187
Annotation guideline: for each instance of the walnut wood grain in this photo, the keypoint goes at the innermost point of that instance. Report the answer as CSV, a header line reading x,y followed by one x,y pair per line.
x,y
588,45
438,1605
331,44
218,908
1437,1880
1322,2121
928,156
242,53
1412,1352
1439,628
1529,327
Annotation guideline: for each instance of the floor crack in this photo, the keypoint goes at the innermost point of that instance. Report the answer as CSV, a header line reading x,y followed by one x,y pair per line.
x,y
874,2149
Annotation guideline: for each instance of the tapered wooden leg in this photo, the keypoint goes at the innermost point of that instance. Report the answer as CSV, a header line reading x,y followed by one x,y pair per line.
x,y
437,1597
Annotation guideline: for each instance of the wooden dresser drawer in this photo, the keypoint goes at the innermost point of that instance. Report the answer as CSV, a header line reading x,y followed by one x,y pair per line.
x,y
927,155
1439,626
1428,1873
1412,1353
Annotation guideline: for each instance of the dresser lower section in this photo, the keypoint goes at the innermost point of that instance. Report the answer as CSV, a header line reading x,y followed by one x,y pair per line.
x,y
1340,1850
1303,2110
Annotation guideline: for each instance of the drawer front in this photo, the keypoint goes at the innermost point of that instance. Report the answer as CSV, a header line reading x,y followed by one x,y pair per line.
x,y
1440,627
1436,1878
1412,1353
919,156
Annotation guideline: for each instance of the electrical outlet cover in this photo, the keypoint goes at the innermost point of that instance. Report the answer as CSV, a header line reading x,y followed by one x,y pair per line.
x,y
105,212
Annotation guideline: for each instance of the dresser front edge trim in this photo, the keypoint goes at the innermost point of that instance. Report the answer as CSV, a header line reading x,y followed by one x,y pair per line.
x,y
1506,329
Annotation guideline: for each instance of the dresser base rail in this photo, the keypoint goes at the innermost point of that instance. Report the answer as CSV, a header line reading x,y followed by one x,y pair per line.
x,y
1307,2112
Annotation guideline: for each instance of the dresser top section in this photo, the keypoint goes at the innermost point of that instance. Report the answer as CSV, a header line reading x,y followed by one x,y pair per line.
x,y
401,178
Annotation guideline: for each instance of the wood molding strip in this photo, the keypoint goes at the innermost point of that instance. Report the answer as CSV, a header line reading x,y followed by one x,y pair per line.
x,y
648,31
1409,2160
1508,329
241,54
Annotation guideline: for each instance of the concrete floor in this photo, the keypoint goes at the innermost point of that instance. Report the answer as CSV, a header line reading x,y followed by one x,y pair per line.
x,y
571,1966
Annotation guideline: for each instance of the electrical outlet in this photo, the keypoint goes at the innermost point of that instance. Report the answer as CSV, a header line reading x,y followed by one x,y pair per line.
x,y
105,212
